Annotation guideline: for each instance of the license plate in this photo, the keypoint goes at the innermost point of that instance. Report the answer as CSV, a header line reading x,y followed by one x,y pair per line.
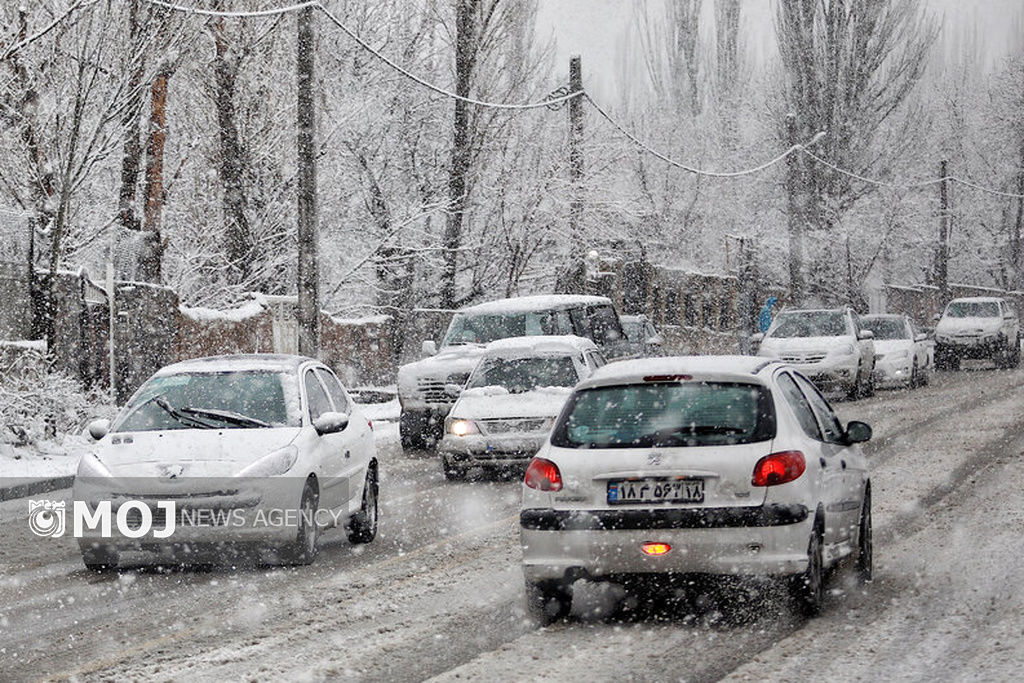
x,y
655,490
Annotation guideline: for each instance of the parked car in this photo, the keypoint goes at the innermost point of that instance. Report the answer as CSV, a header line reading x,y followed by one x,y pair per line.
x,y
713,465
643,339
422,384
977,327
240,438
511,400
827,345
904,356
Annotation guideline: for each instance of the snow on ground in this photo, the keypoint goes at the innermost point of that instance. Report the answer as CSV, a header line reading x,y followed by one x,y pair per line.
x,y
44,460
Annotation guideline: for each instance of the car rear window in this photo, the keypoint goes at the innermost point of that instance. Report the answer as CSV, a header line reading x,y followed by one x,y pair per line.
x,y
666,414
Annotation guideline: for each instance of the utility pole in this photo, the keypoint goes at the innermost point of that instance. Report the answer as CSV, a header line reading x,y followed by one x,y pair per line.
x,y
309,279
576,158
461,153
942,255
795,217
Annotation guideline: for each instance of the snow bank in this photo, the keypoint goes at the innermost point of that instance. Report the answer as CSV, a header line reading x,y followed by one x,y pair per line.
x,y
31,345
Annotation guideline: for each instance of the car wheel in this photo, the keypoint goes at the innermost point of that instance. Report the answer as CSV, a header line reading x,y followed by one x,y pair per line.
x,y
410,429
548,601
853,392
915,376
1015,355
363,527
452,472
303,549
865,544
99,559
807,589
869,386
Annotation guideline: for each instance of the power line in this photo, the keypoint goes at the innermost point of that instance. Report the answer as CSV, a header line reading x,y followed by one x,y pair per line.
x,y
547,102
689,169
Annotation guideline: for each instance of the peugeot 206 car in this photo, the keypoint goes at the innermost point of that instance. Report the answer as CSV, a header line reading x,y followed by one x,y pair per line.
x,y
256,452
677,467
511,400
904,356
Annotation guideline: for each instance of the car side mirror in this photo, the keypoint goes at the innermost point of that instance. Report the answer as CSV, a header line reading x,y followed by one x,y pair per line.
x,y
757,337
921,336
653,341
937,317
857,432
865,335
99,428
330,423
1008,316
429,348
452,390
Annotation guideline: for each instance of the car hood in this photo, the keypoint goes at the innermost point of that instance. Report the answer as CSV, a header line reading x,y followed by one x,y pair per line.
x,y
481,404
956,325
892,345
804,344
450,359
199,452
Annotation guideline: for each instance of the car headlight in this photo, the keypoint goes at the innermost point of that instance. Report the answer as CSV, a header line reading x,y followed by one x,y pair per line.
x,y
90,466
278,462
844,350
461,427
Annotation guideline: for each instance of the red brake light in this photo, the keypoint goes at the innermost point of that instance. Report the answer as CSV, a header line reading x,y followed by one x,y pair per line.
x,y
543,475
667,378
370,422
652,548
778,468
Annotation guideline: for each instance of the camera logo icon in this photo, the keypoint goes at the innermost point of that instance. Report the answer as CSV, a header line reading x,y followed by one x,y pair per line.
x,y
46,518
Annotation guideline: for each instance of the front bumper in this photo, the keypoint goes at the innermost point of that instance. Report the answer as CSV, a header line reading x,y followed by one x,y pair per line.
x,y
762,540
892,373
841,373
976,348
479,449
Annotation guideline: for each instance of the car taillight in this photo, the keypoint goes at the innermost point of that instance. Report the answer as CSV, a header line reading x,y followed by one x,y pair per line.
x,y
653,548
778,468
370,424
543,475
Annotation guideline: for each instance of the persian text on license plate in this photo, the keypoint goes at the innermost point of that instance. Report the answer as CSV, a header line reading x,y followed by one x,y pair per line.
x,y
655,490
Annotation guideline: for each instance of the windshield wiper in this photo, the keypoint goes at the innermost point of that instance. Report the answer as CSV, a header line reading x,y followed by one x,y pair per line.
x,y
227,416
178,415
683,431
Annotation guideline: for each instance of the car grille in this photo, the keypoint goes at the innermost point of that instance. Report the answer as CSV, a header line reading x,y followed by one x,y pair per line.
x,y
803,357
210,517
513,426
433,391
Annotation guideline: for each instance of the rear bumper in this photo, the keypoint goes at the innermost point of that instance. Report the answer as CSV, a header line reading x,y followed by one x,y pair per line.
x,y
765,540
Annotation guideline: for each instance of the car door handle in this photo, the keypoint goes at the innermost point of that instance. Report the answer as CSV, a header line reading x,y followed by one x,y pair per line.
x,y
824,463
349,453
843,463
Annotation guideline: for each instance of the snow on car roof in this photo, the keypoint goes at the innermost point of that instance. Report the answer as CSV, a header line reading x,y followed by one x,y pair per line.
x,y
243,361
539,344
728,368
883,316
977,299
527,304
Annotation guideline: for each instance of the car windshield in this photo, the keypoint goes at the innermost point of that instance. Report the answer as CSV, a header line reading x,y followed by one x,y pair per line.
x,y
484,328
972,309
886,328
810,324
211,399
518,375
666,414
634,330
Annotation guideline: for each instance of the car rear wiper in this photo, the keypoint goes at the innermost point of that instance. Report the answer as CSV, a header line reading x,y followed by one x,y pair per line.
x,y
186,420
227,416
683,431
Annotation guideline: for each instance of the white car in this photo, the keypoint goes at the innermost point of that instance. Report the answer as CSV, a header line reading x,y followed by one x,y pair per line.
x,y
257,452
511,400
977,327
827,345
904,356
713,465
423,390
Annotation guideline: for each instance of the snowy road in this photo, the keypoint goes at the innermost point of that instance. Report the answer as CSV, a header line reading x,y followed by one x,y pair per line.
x,y
439,593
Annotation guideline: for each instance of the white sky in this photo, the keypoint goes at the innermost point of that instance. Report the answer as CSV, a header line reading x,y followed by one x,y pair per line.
x,y
595,30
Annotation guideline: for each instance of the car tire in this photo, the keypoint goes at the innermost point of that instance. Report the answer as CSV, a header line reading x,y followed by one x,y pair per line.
x,y
915,377
1015,354
363,526
807,589
411,427
99,559
452,472
548,601
853,392
865,543
303,549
